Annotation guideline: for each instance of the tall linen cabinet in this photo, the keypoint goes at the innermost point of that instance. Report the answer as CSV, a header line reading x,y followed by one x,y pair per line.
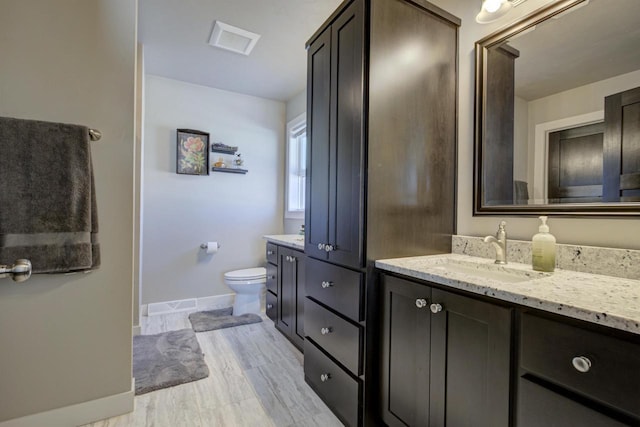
x,y
381,171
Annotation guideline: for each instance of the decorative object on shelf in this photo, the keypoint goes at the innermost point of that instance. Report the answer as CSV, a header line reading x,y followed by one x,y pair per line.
x,y
238,161
220,163
192,152
219,147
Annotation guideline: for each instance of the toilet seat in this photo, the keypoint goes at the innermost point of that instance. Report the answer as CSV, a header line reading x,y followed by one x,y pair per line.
x,y
247,274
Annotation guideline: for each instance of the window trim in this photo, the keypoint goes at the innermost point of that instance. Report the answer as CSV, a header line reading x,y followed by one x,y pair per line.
x,y
293,127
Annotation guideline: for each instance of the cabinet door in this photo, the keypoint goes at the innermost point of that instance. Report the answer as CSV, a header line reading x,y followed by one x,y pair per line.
x,y
470,361
318,113
405,352
286,291
346,137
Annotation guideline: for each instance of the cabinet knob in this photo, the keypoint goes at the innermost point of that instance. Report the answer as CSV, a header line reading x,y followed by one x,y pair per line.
x,y
581,363
293,259
421,302
326,284
325,331
272,277
329,248
320,246
436,308
270,252
269,306
325,377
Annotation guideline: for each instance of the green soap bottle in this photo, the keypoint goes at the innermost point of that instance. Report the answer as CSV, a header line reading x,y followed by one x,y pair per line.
x,y
543,248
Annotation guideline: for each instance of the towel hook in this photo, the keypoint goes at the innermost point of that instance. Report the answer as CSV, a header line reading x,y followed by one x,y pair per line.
x,y
95,134
19,271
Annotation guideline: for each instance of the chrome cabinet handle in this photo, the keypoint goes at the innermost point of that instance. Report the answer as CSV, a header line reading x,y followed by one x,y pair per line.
x,y
325,377
269,306
329,248
325,331
320,246
19,271
435,308
581,363
293,259
326,284
270,252
421,302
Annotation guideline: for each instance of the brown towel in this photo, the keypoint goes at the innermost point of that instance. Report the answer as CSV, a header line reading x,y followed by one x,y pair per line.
x,y
48,208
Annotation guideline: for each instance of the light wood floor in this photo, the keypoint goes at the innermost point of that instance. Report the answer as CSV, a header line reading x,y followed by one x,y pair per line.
x,y
256,379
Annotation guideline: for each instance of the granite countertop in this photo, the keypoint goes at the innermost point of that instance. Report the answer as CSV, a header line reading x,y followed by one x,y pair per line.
x,y
295,241
605,300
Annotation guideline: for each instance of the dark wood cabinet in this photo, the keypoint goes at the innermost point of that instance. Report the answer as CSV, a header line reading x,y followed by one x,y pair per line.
x,y
286,291
446,358
381,134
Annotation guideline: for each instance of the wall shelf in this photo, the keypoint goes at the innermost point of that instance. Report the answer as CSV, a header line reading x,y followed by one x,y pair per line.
x,y
224,149
229,170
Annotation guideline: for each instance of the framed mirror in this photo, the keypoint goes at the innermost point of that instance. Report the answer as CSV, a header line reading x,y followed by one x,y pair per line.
x,y
557,114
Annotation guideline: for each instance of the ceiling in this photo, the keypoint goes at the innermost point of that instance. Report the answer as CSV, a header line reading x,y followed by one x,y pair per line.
x,y
592,43
175,35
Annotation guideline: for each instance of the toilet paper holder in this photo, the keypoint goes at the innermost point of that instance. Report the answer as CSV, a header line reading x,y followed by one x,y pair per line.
x,y
204,246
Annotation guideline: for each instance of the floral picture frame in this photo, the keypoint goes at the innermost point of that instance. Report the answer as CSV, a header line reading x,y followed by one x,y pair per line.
x,y
192,152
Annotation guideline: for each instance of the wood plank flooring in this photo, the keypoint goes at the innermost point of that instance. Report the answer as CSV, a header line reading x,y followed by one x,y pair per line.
x,y
256,379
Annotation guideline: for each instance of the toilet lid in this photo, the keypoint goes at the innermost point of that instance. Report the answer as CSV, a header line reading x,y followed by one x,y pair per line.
x,y
246,274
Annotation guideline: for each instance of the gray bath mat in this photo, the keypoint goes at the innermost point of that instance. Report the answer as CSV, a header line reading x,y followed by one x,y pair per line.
x,y
167,359
203,321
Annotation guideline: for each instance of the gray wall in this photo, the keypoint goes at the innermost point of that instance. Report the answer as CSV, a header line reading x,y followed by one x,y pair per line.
x,y
67,339
295,106
620,233
182,211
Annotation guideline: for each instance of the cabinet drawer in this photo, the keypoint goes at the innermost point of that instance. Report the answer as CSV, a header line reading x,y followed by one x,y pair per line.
x,y
272,278
336,287
538,406
271,306
272,253
335,387
338,337
548,351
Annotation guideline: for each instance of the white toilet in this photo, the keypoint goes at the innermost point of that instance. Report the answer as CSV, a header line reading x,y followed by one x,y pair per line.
x,y
248,284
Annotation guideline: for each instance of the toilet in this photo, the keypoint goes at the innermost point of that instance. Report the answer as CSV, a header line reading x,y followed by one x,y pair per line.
x,y
248,284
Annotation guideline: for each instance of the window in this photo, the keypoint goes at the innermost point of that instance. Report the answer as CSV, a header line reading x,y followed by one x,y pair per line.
x,y
296,167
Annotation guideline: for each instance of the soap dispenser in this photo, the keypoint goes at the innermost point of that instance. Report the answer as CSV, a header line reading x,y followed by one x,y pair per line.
x,y
543,248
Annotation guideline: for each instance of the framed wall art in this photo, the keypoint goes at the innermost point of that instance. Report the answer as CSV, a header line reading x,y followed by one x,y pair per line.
x,y
192,152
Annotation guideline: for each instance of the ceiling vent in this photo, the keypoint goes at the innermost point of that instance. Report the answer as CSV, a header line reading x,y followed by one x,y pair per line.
x,y
232,38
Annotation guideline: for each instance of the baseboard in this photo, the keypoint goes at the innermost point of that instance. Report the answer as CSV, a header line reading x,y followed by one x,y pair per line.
x,y
137,330
203,303
79,414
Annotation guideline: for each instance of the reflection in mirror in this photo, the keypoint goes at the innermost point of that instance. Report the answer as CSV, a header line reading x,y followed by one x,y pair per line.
x,y
558,111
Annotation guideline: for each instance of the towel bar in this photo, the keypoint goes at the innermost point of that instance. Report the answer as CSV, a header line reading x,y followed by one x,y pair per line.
x,y
19,271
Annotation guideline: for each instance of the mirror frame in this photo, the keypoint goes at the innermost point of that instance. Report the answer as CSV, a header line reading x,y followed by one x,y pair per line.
x,y
568,209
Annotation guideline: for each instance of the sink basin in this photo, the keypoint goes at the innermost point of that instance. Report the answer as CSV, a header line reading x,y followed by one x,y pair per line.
x,y
499,272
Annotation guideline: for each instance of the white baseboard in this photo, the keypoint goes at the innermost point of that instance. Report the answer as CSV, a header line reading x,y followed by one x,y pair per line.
x,y
79,414
203,303
137,330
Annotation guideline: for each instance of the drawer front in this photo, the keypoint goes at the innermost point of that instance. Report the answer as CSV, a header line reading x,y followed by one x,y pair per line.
x,y
338,337
272,278
272,253
272,306
550,350
538,406
335,287
335,387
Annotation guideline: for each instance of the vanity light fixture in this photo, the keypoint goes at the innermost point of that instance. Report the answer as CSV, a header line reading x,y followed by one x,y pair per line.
x,y
492,10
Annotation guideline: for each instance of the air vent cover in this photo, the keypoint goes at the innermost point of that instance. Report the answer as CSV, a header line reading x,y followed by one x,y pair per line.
x,y
232,38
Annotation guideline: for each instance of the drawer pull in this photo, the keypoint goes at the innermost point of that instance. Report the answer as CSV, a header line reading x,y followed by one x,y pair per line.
x,y
421,303
329,248
270,252
326,284
581,363
325,331
436,308
269,306
325,377
320,246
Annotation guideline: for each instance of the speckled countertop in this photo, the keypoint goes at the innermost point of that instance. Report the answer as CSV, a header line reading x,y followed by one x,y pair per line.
x,y
294,241
605,300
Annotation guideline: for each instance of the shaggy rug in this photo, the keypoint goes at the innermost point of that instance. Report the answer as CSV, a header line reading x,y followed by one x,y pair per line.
x,y
203,321
167,359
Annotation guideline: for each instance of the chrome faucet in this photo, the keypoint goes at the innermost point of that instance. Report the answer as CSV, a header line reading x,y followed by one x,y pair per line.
x,y
500,243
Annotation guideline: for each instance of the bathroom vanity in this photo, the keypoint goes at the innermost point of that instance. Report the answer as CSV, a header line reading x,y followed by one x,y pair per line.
x,y
285,285
474,343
